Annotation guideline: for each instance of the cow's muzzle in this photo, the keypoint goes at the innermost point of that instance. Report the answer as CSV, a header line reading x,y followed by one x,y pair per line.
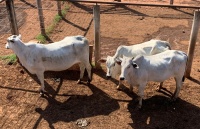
x,y
122,78
108,77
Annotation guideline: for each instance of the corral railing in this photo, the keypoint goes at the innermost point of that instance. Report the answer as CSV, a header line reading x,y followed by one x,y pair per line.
x,y
171,3
96,13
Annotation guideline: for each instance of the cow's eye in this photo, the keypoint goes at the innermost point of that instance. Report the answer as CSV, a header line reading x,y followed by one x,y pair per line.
x,y
114,64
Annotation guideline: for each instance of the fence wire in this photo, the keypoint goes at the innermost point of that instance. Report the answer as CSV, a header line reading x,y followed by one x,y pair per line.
x,y
27,17
27,14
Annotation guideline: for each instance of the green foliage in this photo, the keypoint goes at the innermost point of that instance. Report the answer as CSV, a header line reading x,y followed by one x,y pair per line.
x,y
64,11
10,59
41,38
51,27
57,18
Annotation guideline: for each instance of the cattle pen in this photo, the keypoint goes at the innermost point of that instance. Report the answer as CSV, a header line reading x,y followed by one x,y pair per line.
x,y
96,13
99,105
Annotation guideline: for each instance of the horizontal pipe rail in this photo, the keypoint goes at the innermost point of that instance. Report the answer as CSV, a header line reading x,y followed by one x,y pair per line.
x,y
130,3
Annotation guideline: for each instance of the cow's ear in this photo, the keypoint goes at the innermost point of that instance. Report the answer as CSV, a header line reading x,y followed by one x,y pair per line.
x,y
135,65
20,36
12,41
103,60
118,61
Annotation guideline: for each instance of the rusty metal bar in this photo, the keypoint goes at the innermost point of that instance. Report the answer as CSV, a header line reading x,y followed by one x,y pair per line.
x,y
130,3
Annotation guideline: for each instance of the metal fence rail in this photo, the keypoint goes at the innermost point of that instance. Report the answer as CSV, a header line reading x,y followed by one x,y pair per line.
x,y
135,3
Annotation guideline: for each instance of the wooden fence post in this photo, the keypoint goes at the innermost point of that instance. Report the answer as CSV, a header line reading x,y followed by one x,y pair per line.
x,y
96,13
59,8
12,17
171,2
41,18
193,38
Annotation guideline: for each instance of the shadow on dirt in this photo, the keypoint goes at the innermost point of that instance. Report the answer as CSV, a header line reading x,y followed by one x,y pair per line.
x,y
87,8
76,107
120,10
111,9
158,112
79,27
182,11
29,4
194,80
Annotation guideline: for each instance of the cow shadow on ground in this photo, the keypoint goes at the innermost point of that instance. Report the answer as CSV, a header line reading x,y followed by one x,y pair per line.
x,y
159,112
76,107
102,74
194,80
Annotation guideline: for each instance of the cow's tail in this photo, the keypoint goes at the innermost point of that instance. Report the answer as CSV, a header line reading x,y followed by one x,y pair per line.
x,y
183,79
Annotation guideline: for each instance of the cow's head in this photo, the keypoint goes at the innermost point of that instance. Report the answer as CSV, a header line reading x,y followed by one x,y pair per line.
x,y
127,65
11,41
111,65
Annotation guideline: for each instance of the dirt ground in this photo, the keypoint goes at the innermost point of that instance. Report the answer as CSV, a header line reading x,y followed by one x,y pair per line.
x,y
100,104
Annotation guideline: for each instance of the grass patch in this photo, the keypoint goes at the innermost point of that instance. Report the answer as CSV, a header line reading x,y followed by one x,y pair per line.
x,y
41,38
10,59
51,27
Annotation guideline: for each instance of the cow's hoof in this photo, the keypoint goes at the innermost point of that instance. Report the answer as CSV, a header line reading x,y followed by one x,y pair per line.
x,y
79,81
158,89
139,107
119,87
88,82
41,93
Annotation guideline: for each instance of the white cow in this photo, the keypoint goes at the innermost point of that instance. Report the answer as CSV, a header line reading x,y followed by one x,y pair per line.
x,y
158,68
58,56
147,48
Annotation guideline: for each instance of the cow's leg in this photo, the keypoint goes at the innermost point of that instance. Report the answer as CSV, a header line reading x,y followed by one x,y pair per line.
x,y
119,85
82,70
141,93
160,86
89,71
178,87
131,88
40,76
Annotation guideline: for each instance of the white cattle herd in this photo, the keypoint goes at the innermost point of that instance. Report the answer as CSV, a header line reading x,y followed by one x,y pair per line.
x,y
138,64
147,48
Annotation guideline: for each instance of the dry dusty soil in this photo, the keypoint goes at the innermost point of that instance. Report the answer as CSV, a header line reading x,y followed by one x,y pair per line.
x,y
100,105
